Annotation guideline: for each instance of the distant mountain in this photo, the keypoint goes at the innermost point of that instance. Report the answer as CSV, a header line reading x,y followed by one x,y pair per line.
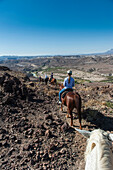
x,y
21,57
109,51
16,57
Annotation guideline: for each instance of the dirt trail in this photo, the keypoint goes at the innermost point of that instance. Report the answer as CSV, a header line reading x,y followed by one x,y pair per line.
x,y
35,134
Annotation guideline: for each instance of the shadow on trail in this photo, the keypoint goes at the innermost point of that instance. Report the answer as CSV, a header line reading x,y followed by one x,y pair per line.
x,y
97,118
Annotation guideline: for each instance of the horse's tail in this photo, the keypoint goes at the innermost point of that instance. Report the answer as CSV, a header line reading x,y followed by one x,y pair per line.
x,y
78,104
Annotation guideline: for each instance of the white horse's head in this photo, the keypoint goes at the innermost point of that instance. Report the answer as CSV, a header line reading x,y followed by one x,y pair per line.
x,y
98,153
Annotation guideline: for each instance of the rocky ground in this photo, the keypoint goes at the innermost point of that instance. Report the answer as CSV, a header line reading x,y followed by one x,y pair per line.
x,y
35,134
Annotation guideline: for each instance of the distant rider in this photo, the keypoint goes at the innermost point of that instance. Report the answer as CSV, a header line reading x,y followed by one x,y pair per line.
x,y
46,79
51,77
68,84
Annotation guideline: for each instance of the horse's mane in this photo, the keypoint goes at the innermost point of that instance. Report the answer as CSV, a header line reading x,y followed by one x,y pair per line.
x,y
76,93
99,139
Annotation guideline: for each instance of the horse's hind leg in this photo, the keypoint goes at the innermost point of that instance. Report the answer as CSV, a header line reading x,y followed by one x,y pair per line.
x,y
80,121
79,116
67,113
70,112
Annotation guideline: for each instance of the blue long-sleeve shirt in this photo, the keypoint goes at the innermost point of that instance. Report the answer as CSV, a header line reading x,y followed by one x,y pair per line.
x,y
69,85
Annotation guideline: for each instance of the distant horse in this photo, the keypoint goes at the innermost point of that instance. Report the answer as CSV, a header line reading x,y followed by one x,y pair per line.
x,y
40,79
46,80
71,100
53,81
98,155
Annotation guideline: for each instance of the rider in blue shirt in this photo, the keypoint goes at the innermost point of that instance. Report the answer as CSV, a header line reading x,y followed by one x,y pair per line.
x,y
68,84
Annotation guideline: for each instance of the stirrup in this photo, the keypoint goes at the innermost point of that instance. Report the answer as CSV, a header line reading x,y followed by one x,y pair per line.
x,y
59,102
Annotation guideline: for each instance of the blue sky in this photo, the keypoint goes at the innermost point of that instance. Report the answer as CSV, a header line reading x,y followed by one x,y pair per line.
x,y
40,27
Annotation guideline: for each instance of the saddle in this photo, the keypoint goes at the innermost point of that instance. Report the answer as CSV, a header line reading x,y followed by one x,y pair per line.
x,y
65,92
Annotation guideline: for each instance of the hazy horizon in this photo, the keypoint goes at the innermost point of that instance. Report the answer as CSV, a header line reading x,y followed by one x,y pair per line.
x,y
47,27
52,54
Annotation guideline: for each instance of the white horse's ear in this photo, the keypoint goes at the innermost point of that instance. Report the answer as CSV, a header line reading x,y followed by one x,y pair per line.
x,y
84,132
111,136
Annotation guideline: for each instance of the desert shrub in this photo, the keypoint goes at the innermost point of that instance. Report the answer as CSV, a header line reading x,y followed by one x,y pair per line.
x,y
109,104
109,79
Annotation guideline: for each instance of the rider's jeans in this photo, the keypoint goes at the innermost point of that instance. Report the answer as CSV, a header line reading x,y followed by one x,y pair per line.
x,y
62,92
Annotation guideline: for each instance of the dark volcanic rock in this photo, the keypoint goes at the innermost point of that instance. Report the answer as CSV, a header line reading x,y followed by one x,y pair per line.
x,y
3,68
9,100
15,88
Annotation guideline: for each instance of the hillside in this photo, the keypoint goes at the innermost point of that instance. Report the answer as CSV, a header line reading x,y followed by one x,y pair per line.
x,y
91,68
35,134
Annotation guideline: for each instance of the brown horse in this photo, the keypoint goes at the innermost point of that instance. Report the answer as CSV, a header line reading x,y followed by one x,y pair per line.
x,y
53,81
71,100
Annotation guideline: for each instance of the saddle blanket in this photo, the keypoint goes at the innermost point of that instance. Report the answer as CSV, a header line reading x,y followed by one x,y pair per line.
x,y
65,92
